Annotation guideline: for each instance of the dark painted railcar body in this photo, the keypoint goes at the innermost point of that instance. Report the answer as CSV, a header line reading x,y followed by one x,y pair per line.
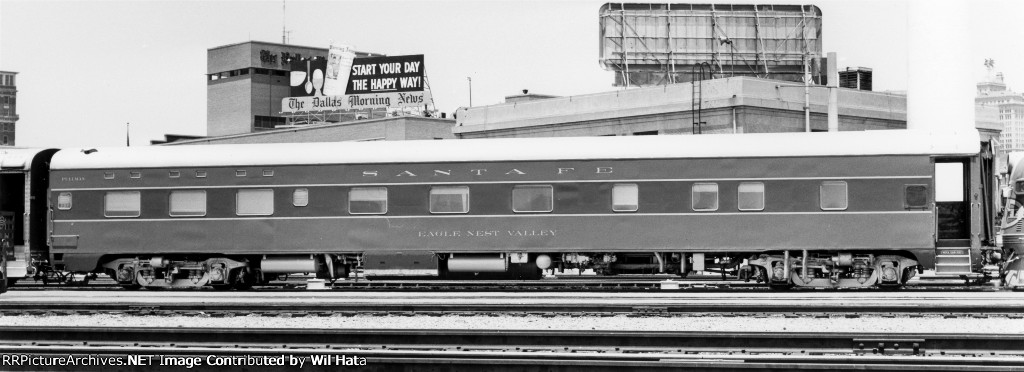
x,y
887,219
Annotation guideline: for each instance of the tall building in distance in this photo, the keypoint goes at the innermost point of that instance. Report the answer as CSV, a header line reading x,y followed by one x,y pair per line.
x,y
245,83
8,107
993,92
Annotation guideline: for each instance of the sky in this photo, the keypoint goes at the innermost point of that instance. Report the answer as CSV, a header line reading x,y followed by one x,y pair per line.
x,y
88,67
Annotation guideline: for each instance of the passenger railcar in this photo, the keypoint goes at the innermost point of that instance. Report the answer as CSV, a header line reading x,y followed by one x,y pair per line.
x,y
849,209
24,178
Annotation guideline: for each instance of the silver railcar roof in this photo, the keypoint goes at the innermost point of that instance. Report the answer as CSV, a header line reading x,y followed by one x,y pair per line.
x,y
881,142
18,158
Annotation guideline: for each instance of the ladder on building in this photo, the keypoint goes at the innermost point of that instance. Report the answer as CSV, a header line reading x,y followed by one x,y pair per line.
x,y
696,96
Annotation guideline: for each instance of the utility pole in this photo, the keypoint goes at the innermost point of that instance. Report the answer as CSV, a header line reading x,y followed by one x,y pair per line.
x,y
284,31
470,90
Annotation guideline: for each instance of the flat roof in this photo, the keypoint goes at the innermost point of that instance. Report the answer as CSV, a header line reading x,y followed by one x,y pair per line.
x,y
883,142
266,43
675,98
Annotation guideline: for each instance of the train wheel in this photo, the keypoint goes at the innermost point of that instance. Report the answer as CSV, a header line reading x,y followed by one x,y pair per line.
x,y
244,279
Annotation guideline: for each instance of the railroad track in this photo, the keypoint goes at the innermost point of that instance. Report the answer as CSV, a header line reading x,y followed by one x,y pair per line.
x,y
564,283
329,303
500,350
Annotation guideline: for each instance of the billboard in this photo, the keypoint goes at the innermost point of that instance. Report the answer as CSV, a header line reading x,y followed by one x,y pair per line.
x,y
344,82
658,43
307,77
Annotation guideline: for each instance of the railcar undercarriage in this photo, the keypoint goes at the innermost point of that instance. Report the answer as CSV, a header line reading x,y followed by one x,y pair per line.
x,y
224,272
815,269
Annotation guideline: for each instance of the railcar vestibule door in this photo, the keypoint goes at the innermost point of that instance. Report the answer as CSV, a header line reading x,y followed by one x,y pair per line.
x,y
952,216
951,201
12,198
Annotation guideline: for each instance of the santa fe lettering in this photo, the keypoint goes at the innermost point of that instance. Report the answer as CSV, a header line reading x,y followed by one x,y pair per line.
x,y
480,172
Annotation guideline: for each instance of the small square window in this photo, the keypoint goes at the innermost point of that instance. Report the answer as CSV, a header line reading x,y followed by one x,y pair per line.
x,y
532,198
625,197
300,198
187,203
240,173
704,197
449,199
122,204
258,202
833,196
64,201
915,196
750,196
268,173
368,200
135,174
200,174
108,175
174,174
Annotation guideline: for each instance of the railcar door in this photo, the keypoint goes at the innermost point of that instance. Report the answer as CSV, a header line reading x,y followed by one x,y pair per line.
x,y
952,216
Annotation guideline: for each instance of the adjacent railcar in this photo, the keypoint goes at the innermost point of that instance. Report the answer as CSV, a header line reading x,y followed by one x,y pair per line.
x,y
850,209
1012,269
24,178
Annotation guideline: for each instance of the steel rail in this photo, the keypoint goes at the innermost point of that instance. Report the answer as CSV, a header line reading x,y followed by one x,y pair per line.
x,y
328,303
385,349
562,283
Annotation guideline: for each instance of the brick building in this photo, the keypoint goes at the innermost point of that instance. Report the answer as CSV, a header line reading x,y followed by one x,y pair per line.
x,y
246,83
8,107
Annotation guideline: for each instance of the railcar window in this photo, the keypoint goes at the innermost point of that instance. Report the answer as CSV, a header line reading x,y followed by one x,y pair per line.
x,y
750,196
300,198
191,203
368,200
833,196
949,182
122,204
625,197
916,196
258,202
532,198
64,201
705,197
449,199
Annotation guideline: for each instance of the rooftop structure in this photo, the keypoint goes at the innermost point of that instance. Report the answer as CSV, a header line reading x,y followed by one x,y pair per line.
x,y
650,44
8,107
993,92
730,105
246,82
